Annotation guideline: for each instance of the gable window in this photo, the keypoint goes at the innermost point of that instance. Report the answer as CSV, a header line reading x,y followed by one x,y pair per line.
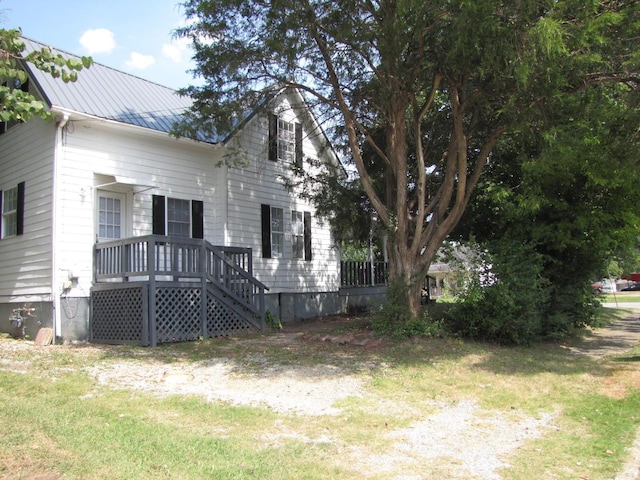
x,y
12,211
285,141
272,232
178,217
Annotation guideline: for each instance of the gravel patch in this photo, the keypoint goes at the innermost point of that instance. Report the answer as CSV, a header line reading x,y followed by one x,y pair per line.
x,y
456,435
294,390
461,432
461,439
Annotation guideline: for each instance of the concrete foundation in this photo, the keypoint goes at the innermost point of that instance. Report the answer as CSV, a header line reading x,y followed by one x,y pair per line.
x,y
288,307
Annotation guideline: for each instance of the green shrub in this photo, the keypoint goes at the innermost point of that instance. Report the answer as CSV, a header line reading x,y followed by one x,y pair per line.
x,y
395,320
505,297
272,320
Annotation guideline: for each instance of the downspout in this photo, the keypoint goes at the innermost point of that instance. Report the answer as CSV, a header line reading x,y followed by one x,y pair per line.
x,y
55,271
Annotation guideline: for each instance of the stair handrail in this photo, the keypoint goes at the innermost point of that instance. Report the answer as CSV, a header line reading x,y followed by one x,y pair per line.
x,y
246,276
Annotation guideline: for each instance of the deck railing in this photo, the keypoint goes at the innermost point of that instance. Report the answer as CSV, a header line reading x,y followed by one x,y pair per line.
x,y
363,274
157,258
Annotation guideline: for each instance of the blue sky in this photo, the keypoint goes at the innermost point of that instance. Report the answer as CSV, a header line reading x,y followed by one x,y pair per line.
x,y
134,36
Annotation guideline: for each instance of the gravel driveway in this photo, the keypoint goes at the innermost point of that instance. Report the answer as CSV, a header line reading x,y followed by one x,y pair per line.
x,y
458,431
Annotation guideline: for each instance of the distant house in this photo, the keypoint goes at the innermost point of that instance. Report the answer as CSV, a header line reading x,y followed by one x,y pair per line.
x,y
114,231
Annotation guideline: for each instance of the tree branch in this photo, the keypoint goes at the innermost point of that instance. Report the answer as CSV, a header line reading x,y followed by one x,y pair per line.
x,y
350,124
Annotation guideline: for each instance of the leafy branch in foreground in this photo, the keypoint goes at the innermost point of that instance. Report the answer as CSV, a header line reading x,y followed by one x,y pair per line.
x,y
17,104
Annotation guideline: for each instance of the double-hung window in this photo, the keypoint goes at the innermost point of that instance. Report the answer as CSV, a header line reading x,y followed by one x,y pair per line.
x,y
277,232
178,217
285,141
297,234
273,234
12,211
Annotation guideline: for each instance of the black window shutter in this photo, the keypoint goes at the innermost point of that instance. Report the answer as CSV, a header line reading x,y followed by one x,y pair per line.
x,y
266,231
273,137
20,210
197,220
298,139
0,213
307,236
158,215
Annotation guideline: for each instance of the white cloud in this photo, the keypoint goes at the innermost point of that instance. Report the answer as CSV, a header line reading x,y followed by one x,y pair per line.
x,y
172,52
176,49
99,40
140,61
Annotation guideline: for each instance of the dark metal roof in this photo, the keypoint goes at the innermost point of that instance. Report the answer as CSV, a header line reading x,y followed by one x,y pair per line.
x,y
107,93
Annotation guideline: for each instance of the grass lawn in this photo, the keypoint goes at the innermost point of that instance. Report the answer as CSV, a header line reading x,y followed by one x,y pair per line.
x,y
58,422
621,297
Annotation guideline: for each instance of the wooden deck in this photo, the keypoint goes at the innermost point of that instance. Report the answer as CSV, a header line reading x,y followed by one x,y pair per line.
x,y
157,289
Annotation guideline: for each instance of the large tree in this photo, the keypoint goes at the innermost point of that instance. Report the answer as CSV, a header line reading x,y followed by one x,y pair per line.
x,y
16,103
441,79
558,201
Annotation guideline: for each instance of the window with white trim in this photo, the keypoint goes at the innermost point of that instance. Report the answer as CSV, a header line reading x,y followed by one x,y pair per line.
x,y
10,212
277,232
178,217
286,141
297,234
273,234
110,215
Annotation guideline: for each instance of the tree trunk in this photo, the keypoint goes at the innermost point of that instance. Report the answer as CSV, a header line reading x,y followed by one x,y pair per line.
x,y
408,274
418,224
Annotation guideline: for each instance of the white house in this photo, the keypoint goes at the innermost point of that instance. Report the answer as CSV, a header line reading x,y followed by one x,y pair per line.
x,y
101,208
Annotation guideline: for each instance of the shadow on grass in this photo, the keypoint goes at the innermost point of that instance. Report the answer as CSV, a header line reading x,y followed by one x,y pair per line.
x,y
290,348
634,358
607,316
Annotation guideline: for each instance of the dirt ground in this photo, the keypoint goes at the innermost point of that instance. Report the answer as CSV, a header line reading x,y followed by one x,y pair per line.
x,y
314,390
617,338
306,390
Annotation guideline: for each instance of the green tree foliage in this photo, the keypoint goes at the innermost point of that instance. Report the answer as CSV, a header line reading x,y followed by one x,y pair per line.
x,y
562,197
19,105
428,87
505,296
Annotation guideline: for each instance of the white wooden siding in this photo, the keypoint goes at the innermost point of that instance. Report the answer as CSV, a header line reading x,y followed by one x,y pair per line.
x,y
258,183
25,261
92,152
176,168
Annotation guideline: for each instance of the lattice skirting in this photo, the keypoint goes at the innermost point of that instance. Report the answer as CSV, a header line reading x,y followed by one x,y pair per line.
x,y
178,314
222,321
120,314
